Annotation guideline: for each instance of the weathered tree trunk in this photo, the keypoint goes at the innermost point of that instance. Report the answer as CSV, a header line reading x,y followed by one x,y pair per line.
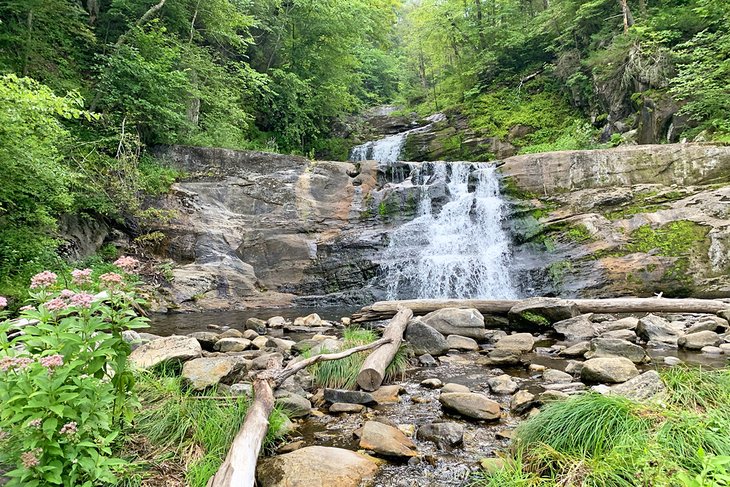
x,y
239,467
386,309
628,18
372,371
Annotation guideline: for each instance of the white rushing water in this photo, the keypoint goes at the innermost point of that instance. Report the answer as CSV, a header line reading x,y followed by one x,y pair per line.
x,y
459,250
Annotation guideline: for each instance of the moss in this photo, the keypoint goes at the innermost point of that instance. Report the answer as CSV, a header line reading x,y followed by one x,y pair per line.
x,y
535,318
674,239
648,202
578,233
557,272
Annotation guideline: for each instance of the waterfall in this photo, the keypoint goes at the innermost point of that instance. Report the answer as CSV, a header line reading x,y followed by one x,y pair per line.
x,y
386,150
460,251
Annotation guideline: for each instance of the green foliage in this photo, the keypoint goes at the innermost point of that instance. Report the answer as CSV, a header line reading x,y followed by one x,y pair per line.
x,y
715,472
182,425
342,374
697,388
66,386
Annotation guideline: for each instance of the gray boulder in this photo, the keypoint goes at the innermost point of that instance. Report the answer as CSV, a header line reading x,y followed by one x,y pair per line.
x,y
553,376
169,349
457,321
207,339
456,342
294,405
424,339
350,397
502,384
521,402
642,387
201,373
695,341
577,328
657,330
386,440
518,343
443,434
257,325
614,347
232,344
541,313
612,370
471,405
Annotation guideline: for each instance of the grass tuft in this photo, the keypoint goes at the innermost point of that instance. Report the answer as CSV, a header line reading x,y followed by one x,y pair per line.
x,y
697,388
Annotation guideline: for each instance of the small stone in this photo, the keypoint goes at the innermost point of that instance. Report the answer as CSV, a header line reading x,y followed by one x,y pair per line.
x,y
504,434
276,322
457,342
313,320
533,412
201,373
553,376
695,341
518,343
628,335
576,350
537,368
492,465
672,361
577,328
257,325
294,405
420,399
290,447
345,320
521,402
250,335
407,429
454,387
502,384
173,348
262,342
207,339
283,345
427,360
388,394
550,396
629,323
241,389
725,347
574,367
343,407
432,383
265,361
232,344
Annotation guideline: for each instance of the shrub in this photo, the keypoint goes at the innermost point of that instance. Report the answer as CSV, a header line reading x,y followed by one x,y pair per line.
x,y
65,385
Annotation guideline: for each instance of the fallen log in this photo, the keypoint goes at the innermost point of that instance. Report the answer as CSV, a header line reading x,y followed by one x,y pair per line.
x,y
239,467
372,372
386,309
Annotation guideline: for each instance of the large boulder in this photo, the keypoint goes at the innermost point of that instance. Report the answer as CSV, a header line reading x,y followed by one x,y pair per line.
x,y
424,339
642,387
471,405
457,321
540,313
386,440
457,342
502,384
316,466
232,344
614,347
169,349
576,329
443,434
616,370
657,330
518,343
700,339
201,373
294,405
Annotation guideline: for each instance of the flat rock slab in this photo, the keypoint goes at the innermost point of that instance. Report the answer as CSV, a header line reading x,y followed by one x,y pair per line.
x,y
232,344
615,347
471,405
350,397
201,373
316,466
172,348
386,440
342,407
388,394
458,342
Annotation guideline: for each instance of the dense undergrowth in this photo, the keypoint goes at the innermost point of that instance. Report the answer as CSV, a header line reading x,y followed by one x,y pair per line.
x,y
597,440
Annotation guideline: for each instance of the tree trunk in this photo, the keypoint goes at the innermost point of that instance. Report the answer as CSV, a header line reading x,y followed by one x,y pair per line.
x,y
628,18
239,467
386,309
372,371
480,24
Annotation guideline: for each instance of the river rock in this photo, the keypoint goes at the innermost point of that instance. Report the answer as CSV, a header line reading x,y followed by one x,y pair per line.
x,y
265,361
457,321
518,343
493,336
457,342
427,360
521,402
577,350
443,434
655,329
471,405
231,333
695,341
350,397
432,383
628,323
551,396
326,346
232,345
574,367
502,384
709,349
553,376
629,335
454,387
283,345
343,407
316,466
540,313
386,440
577,328
201,373
671,361
241,389
207,339
618,369
294,405
311,321
614,347
250,335
169,349
257,325
642,387
276,322
424,339
388,394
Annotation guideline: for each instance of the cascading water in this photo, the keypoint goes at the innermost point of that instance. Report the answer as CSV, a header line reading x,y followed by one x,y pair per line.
x,y
460,251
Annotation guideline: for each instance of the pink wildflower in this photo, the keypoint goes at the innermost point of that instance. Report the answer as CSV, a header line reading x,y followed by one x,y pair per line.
x,y
69,428
127,263
82,300
3,302
81,276
36,423
30,458
55,304
66,293
27,308
111,279
51,361
44,279
14,363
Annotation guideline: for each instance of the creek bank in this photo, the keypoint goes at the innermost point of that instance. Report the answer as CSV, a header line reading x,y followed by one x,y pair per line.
x,y
416,419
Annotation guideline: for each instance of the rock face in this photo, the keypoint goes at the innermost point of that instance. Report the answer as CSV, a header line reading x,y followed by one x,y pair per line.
x,y
316,466
471,405
168,349
614,370
456,321
425,339
386,440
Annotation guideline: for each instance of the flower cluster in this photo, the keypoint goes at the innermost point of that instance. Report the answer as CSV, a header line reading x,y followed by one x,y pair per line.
x,y
111,279
44,279
129,264
36,423
69,428
30,458
55,304
14,363
3,302
81,276
51,361
82,300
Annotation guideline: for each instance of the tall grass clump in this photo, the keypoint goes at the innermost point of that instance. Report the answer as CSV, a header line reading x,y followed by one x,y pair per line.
x,y
195,430
697,388
342,374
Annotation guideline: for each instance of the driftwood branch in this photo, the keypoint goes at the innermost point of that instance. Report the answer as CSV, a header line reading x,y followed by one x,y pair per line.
x,y
239,467
386,309
372,372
